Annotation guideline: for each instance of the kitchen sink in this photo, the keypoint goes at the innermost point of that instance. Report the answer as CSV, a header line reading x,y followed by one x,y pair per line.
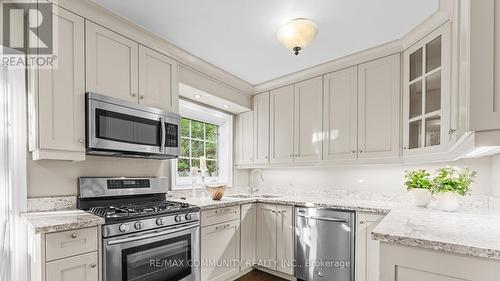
x,y
240,196
253,196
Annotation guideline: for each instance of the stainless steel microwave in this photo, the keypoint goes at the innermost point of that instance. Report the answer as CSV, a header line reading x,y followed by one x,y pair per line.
x,y
119,128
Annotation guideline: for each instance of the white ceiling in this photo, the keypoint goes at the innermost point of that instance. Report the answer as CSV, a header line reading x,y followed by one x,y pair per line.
x,y
239,36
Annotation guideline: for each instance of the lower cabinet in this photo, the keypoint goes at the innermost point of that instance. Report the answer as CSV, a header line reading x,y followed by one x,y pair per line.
x,y
248,235
367,249
274,248
220,249
72,255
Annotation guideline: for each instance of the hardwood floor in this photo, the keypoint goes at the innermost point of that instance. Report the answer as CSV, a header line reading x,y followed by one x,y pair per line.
x,y
257,275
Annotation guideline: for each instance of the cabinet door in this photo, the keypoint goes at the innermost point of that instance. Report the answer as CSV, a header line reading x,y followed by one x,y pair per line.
x,y
284,239
220,243
261,128
379,108
248,234
61,94
340,114
111,63
426,94
308,120
76,268
281,124
367,249
266,235
158,80
244,138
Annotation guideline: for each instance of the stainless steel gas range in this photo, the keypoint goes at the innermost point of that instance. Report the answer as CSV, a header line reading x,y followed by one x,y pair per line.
x,y
144,237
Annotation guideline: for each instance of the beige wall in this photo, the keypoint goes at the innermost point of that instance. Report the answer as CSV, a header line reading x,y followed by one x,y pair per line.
x,y
57,178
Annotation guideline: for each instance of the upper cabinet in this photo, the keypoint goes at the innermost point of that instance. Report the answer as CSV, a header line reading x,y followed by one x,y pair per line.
x,y
112,63
340,114
261,128
426,94
158,80
281,125
57,96
244,138
308,121
379,108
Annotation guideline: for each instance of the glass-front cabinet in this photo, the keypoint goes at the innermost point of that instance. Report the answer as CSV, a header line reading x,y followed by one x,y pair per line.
x,y
426,94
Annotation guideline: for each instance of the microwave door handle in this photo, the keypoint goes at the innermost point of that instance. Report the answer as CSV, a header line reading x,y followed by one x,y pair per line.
x,y
163,134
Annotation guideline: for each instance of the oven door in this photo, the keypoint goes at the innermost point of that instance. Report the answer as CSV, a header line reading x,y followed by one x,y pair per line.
x,y
170,253
112,127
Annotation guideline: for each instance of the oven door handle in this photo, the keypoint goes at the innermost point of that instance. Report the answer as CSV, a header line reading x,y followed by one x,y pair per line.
x,y
154,234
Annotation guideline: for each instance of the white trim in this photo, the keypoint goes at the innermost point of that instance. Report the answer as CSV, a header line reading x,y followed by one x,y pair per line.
x,y
224,143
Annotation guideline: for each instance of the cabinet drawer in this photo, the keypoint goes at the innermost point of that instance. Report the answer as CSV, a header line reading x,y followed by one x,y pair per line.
x,y
77,268
211,217
70,243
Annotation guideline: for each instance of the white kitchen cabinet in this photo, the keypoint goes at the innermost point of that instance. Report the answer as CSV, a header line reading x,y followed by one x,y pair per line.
x,y
248,229
111,63
284,239
244,138
266,235
308,120
282,125
261,128
158,80
56,96
426,94
340,114
220,244
77,268
367,249
379,108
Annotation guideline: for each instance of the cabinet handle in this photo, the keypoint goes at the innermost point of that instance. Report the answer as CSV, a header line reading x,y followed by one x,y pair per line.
x,y
93,265
134,95
361,222
141,97
81,140
451,131
222,227
273,211
291,155
353,151
265,157
74,235
405,148
361,151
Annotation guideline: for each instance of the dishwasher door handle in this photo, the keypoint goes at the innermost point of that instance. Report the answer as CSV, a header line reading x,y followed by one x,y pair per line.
x,y
323,218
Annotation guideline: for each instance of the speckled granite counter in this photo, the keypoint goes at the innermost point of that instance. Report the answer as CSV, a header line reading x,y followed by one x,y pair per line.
x,y
45,222
472,234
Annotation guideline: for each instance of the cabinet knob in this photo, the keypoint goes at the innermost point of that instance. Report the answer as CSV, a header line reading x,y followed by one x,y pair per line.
x,y
353,151
265,157
74,235
141,97
361,222
93,265
81,140
405,148
361,151
291,155
451,131
134,95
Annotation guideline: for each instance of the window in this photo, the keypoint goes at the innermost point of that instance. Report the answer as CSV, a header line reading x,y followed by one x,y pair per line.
x,y
197,139
204,132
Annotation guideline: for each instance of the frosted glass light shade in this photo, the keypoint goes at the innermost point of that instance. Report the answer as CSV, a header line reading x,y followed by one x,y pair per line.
x,y
297,34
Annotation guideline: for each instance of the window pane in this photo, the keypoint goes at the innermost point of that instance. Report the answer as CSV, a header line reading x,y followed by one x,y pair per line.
x,y
433,130
184,148
415,133
197,130
211,131
183,167
212,168
211,149
195,163
185,127
433,92
416,99
416,64
433,54
197,149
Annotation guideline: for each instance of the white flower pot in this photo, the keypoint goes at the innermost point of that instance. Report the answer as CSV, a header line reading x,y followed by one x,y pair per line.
x,y
447,201
421,196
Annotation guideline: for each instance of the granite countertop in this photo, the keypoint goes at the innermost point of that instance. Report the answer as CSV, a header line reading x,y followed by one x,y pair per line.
x,y
473,234
53,221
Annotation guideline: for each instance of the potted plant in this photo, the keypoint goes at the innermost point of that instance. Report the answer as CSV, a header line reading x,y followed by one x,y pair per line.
x,y
449,184
419,185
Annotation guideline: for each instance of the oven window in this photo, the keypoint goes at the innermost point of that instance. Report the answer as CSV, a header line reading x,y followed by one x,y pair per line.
x,y
159,261
127,128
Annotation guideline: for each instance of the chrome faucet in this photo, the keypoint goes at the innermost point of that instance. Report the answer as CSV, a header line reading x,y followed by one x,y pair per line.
x,y
253,185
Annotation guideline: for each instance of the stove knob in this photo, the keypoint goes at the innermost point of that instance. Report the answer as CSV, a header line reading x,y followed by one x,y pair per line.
x,y
139,225
189,217
178,218
124,227
160,221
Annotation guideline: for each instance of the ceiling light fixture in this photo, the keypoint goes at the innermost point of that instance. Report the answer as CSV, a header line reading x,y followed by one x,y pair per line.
x,y
226,106
297,34
197,96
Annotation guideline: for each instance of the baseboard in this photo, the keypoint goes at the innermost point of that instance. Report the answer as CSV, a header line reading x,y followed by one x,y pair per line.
x,y
276,273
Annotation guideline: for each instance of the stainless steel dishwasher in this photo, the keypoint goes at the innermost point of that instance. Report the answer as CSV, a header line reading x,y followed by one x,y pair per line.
x,y
324,244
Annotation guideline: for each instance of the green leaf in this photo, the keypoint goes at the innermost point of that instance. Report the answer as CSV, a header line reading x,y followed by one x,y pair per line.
x,y
185,127
211,149
211,131
197,130
184,147
197,149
